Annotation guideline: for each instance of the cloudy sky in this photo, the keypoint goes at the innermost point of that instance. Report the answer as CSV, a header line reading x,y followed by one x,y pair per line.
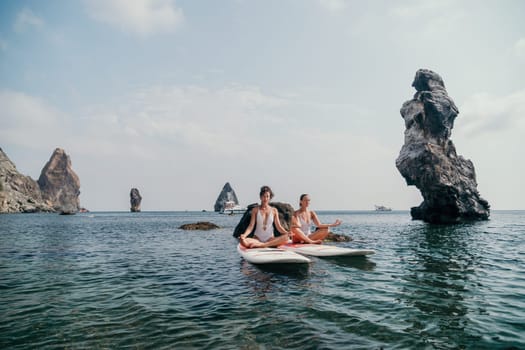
x,y
179,97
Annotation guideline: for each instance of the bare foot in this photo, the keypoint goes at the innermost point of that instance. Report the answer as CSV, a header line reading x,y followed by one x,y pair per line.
x,y
242,241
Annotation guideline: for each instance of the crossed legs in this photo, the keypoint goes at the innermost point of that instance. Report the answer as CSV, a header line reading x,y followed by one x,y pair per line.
x,y
316,237
255,243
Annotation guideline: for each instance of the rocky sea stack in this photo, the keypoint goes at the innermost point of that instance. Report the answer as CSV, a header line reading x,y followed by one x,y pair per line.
x,y
227,195
57,189
135,200
428,159
59,184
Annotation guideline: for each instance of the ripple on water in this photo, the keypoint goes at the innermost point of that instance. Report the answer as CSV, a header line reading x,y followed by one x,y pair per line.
x,y
119,280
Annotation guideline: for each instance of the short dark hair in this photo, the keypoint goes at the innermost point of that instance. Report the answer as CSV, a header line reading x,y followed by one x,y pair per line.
x,y
265,189
302,196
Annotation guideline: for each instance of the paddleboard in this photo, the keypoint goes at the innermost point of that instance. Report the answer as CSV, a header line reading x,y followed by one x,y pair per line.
x,y
321,250
271,256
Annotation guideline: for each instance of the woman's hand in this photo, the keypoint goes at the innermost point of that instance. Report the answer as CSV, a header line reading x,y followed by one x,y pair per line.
x,y
242,240
337,223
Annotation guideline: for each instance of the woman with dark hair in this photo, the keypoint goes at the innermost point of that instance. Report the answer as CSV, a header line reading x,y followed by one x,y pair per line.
x,y
302,223
263,217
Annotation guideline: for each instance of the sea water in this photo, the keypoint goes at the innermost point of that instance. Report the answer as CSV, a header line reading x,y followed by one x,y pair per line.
x,y
135,280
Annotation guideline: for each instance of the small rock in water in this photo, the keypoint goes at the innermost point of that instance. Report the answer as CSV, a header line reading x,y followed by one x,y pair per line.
x,y
336,237
202,225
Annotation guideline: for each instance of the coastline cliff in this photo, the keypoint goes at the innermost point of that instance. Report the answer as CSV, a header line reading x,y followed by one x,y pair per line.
x,y
19,193
57,189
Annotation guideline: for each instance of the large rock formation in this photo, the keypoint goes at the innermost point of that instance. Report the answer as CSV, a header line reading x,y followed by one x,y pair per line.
x,y
227,195
59,184
285,217
19,193
428,158
57,188
135,199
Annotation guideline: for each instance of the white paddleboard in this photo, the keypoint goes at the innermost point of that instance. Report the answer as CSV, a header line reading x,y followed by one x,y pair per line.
x,y
325,250
270,256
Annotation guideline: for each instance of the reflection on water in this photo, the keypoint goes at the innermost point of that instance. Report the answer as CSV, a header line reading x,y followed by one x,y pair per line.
x,y
267,278
290,271
440,276
356,262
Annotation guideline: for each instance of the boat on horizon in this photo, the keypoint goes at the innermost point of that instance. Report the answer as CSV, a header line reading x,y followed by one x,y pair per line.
x,y
382,208
231,208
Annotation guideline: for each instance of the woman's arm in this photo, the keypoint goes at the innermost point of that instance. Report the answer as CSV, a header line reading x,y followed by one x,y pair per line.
x,y
295,221
297,235
318,223
251,225
278,225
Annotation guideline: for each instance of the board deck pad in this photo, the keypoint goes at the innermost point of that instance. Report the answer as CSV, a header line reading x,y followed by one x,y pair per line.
x,y
271,256
321,250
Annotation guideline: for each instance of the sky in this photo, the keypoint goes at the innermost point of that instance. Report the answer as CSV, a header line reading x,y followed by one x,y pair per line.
x,y
177,97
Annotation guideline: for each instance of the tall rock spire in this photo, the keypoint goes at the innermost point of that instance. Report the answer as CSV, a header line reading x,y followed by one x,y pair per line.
x,y
135,199
59,184
428,159
227,195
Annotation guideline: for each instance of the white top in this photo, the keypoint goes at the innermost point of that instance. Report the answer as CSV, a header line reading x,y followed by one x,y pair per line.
x,y
305,225
263,234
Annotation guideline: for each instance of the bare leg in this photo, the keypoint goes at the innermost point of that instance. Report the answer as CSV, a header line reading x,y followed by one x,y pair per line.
x,y
255,243
300,237
250,242
319,234
276,241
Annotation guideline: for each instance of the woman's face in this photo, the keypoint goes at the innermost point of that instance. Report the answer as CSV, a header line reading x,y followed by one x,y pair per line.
x,y
305,202
265,197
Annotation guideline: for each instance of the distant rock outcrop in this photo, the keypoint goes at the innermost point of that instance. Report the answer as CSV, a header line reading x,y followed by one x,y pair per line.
x,y
59,184
227,195
428,158
19,193
285,217
337,237
201,225
135,199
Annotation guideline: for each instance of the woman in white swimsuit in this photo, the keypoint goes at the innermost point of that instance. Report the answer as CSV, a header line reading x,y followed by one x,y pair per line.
x,y
302,223
262,218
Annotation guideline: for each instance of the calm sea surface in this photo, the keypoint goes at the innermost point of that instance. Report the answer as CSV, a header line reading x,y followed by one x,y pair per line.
x,y
123,280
